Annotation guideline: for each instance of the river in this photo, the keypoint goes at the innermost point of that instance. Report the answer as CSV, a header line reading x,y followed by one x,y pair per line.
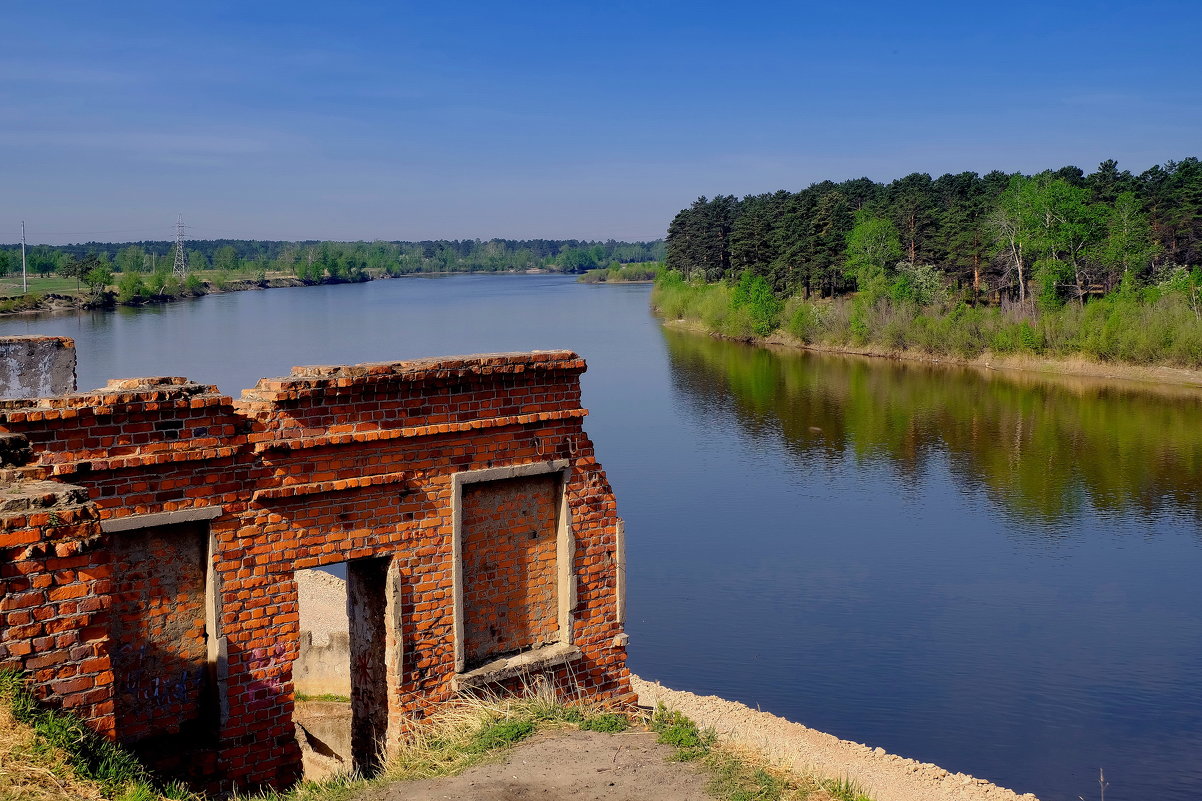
x,y
998,573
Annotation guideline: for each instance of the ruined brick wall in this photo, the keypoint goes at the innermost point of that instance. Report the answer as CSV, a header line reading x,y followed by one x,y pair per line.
x,y
509,539
158,645
327,465
54,595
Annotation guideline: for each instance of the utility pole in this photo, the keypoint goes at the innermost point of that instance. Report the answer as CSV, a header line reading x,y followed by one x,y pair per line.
x,y
181,256
24,275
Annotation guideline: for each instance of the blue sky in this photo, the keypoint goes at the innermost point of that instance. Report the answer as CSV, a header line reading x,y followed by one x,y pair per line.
x,y
399,120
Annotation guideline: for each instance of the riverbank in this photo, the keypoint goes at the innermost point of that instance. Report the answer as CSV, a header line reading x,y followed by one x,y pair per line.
x,y
1080,367
1151,338
55,302
35,303
883,776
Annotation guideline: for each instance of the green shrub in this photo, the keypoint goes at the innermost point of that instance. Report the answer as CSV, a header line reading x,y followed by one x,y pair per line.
x,y
678,731
753,294
131,288
1029,338
804,320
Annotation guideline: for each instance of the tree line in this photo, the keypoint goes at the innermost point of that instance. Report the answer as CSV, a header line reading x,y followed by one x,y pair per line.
x,y
314,260
1059,235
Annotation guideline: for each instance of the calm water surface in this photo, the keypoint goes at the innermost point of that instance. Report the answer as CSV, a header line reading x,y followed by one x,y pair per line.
x,y
999,574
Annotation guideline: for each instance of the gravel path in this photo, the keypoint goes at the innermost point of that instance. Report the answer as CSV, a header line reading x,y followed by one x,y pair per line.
x,y
884,776
558,766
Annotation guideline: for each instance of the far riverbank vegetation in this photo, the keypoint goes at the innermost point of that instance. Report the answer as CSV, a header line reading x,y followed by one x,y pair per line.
x,y
133,273
1058,265
618,273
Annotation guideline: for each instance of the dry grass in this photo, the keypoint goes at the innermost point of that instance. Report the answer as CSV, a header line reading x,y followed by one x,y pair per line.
x,y
31,772
472,728
465,732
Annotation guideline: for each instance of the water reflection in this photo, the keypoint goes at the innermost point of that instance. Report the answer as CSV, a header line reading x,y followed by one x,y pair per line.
x,y
1044,448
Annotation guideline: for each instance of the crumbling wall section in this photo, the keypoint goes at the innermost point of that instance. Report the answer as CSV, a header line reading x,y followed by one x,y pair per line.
x,y
55,588
36,366
329,464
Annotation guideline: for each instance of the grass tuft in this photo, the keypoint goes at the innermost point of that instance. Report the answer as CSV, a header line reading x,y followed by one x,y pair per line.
x,y
681,733
610,722
501,734
844,790
341,699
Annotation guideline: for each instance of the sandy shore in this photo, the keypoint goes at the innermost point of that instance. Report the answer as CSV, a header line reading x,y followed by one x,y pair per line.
x,y
884,776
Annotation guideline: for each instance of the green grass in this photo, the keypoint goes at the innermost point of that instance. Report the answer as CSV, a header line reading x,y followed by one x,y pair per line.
x,y
501,734
739,779
606,722
678,731
10,285
342,699
89,757
741,775
1154,327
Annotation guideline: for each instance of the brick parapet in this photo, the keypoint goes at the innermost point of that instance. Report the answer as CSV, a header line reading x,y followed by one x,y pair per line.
x,y
54,598
327,465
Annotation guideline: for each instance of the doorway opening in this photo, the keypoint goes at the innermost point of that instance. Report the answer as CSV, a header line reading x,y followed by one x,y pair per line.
x,y
340,675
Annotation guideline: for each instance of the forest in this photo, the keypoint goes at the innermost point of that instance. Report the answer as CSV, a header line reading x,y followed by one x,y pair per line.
x,y
982,232
1103,264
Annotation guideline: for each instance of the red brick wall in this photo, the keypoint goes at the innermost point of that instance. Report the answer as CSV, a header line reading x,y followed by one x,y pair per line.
x,y
158,646
325,465
508,546
55,591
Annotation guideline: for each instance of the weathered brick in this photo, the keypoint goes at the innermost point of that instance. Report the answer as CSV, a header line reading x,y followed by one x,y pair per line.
x,y
349,463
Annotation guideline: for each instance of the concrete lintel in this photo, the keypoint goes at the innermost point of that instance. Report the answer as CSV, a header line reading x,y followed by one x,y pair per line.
x,y
548,656
513,471
116,524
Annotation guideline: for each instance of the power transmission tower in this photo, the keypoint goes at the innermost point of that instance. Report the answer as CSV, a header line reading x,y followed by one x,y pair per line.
x,y
181,255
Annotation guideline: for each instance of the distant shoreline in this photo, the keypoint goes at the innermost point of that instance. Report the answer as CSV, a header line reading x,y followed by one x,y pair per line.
x,y
58,303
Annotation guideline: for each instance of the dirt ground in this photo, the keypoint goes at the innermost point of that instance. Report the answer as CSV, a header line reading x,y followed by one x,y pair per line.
x,y
573,765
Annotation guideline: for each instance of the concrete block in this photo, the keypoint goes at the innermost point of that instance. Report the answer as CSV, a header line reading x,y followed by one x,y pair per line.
x,y
36,367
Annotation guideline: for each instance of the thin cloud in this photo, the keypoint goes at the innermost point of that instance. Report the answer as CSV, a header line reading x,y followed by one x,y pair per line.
x,y
160,145
31,74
